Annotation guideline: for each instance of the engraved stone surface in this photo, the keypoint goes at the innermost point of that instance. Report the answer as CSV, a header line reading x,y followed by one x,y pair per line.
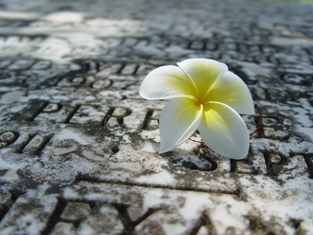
x,y
78,145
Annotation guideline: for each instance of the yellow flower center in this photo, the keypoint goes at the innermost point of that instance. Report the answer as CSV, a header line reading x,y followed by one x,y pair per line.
x,y
199,102
201,99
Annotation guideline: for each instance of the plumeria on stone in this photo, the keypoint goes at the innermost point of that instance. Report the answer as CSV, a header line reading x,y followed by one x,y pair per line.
x,y
203,95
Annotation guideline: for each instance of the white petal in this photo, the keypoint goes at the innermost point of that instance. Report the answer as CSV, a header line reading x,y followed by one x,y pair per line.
x,y
224,131
202,72
231,90
166,82
178,121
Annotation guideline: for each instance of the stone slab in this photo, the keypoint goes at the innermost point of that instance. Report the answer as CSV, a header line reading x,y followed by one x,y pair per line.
x,y
78,145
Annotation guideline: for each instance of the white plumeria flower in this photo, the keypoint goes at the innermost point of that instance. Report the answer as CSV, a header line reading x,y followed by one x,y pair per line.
x,y
203,95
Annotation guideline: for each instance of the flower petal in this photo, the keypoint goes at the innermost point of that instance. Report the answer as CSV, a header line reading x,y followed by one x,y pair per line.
x,y
203,73
224,131
178,121
231,90
166,82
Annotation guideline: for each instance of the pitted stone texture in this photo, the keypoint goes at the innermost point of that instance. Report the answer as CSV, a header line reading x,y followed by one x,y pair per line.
x,y
78,145
29,214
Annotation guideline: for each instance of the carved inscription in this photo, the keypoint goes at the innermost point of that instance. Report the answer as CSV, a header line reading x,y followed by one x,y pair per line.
x,y
309,161
87,114
125,118
7,138
32,144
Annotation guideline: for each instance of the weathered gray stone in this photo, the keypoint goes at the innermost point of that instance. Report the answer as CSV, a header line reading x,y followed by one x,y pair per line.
x,y
78,145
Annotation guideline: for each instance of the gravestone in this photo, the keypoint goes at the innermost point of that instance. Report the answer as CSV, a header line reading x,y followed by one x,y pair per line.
x,y
78,145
